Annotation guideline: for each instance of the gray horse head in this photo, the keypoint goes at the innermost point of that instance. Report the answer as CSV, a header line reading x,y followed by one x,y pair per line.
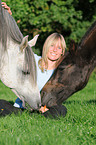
x,y
17,62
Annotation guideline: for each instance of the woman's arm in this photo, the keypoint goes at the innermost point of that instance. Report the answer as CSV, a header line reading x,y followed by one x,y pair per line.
x,y
6,7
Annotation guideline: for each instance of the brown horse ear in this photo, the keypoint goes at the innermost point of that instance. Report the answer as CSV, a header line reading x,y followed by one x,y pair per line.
x,y
33,41
24,43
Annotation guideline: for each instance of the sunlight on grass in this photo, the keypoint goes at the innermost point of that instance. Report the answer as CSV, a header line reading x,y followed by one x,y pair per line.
x,y
78,127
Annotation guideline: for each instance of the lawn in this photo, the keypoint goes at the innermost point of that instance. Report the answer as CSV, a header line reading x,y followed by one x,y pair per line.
x,y
77,128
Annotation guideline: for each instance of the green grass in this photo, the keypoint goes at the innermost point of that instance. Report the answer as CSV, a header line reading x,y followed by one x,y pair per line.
x,y
77,128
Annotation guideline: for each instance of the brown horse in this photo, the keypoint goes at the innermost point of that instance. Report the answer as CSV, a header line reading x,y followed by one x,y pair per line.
x,y
74,71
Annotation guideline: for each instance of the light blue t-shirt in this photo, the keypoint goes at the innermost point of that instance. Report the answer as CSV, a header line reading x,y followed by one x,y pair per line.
x,y
42,78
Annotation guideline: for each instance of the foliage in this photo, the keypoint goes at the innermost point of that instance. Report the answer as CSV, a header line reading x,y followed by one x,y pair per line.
x,y
78,127
71,18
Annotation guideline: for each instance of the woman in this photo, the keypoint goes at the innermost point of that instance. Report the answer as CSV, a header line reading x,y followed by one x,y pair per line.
x,y
52,54
53,51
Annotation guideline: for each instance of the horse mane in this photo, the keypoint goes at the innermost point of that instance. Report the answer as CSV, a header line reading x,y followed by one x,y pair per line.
x,y
9,29
30,65
87,34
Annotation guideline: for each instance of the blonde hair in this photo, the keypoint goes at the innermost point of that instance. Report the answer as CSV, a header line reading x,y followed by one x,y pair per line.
x,y
53,38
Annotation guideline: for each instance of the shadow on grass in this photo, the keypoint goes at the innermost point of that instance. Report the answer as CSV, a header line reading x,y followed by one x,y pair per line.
x,y
11,102
6,108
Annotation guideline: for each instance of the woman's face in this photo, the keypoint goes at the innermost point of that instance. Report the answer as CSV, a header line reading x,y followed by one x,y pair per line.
x,y
55,51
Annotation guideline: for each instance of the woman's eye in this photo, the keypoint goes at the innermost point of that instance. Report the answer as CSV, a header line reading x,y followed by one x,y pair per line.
x,y
59,47
52,45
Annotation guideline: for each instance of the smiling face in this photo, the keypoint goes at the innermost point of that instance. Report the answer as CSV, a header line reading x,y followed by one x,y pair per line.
x,y
55,51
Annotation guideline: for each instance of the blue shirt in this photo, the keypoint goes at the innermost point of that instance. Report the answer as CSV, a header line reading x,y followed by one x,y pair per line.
x,y
42,77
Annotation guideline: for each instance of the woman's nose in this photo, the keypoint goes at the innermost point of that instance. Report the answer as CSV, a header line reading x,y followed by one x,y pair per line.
x,y
55,48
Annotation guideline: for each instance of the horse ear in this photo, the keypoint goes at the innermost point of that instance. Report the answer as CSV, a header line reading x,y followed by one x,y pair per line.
x,y
24,43
33,41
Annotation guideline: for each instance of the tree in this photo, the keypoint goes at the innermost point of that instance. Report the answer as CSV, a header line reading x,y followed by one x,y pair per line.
x,y
67,17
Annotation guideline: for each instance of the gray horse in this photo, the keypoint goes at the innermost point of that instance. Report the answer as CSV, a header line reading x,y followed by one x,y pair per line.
x,y
17,62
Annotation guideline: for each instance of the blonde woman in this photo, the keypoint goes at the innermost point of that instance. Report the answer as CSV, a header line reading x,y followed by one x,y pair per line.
x,y
53,51
52,54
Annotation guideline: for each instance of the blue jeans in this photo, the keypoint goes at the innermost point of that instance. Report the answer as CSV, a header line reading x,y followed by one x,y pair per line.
x,y
18,103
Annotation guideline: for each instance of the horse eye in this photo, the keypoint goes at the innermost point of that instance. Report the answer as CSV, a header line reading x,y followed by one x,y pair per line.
x,y
25,73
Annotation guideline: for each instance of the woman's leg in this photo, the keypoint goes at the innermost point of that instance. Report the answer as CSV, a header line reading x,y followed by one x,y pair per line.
x,y
18,103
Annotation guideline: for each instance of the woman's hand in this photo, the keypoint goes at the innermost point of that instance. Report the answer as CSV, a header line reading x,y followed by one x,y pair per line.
x,y
6,7
43,109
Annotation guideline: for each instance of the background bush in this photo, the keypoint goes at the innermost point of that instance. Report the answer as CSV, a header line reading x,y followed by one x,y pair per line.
x,y
71,18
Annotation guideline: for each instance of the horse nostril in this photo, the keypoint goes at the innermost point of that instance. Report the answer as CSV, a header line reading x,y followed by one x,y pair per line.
x,y
25,73
43,93
38,106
